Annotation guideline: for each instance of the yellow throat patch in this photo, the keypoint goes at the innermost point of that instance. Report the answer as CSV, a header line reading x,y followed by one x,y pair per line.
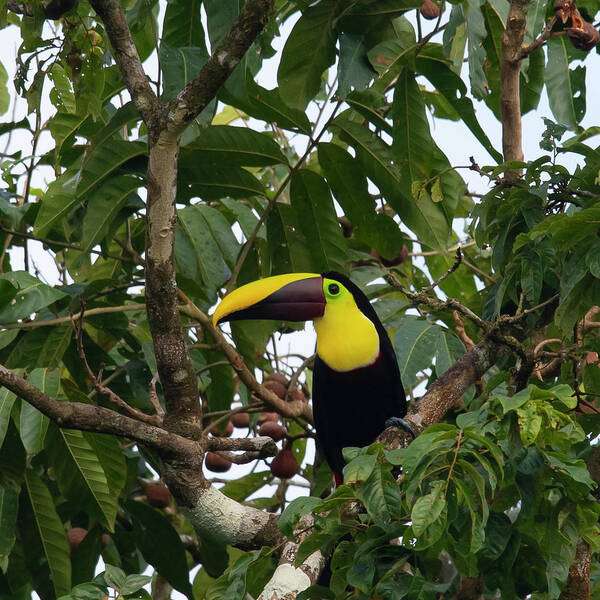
x,y
346,338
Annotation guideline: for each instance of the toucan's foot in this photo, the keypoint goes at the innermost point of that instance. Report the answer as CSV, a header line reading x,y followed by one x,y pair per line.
x,y
398,422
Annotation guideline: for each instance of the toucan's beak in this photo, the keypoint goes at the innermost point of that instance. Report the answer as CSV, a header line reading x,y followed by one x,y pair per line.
x,y
291,297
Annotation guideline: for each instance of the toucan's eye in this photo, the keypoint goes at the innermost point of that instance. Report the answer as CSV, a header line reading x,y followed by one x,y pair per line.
x,y
333,289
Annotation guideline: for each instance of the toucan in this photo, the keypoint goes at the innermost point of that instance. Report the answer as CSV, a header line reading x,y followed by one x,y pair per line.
x,y
357,390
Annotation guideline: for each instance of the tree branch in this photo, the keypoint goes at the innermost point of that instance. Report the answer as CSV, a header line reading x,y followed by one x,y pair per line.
x,y
510,104
127,58
88,417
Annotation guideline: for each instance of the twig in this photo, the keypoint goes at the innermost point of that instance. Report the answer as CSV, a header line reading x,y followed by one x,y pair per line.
x,y
97,379
262,446
296,375
66,245
154,396
544,36
71,318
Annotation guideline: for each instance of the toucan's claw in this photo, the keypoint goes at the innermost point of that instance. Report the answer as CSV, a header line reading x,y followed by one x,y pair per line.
x,y
398,422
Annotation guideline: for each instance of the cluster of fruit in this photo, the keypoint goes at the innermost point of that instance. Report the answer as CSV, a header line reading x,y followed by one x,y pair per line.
x,y
284,465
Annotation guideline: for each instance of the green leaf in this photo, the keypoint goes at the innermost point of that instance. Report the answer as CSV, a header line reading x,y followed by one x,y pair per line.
x,y
360,468
448,349
532,277
293,511
168,556
33,424
381,496
125,115
51,532
226,146
354,69
179,66
32,295
420,214
197,251
563,84
62,94
438,71
41,347
4,95
7,399
309,50
313,206
80,475
63,125
414,343
477,33
362,572
350,188
109,453
427,509
244,216
9,504
104,206
103,160
57,202
215,183
182,25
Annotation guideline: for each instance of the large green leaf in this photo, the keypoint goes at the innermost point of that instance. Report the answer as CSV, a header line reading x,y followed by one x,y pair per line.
x,y
431,63
80,475
179,66
111,457
210,183
104,205
182,25
197,252
168,556
354,69
420,213
125,115
51,533
41,347
476,33
226,146
104,159
63,125
7,399
33,424
57,202
414,344
350,188
267,105
309,50
32,295
9,504
313,206
566,88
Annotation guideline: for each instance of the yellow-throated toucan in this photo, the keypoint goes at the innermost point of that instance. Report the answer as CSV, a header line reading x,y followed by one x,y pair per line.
x,y
357,391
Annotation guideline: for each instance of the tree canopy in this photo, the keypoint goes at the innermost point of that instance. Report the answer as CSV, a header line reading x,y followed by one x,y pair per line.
x,y
163,189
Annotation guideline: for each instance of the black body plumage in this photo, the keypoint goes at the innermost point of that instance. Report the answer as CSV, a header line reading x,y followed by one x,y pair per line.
x,y
351,407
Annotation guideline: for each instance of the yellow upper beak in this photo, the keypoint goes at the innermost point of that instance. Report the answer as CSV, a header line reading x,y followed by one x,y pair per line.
x,y
290,297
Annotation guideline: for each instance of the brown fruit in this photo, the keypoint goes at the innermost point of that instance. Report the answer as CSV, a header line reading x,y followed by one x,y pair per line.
x,y
218,432
241,419
105,540
216,463
273,430
276,387
158,495
75,536
430,10
280,377
584,38
267,416
397,260
285,465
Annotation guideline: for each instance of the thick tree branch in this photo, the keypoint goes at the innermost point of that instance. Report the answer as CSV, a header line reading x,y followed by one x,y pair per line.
x,y
510,103
88,417
127,58
203,88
